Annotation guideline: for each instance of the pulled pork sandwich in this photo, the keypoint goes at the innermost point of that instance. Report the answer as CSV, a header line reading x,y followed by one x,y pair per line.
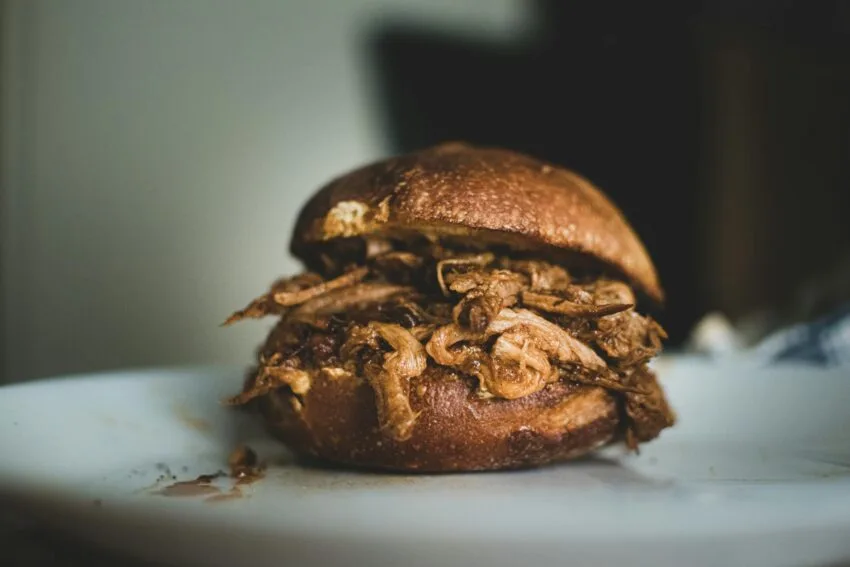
x,y
462,308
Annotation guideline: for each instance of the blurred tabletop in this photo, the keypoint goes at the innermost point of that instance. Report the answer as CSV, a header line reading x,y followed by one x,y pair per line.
x,y
27,544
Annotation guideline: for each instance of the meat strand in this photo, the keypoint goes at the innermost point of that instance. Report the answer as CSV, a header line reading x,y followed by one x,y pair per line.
x,y
486,294
478,259
440,345
648,412
628,339
543,276
391,380
606,292
518,367
562,306
315,311
269,378
266,305
548,337
398,260
446,349
526,341
290,298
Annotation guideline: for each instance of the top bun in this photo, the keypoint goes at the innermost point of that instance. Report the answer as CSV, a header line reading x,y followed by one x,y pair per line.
x,y
486,196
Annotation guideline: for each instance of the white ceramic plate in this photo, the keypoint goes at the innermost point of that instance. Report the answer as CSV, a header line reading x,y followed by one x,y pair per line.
x,y
756,473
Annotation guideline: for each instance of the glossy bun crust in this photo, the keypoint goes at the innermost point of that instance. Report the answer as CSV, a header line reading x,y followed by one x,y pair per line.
x,y
456,430
483,195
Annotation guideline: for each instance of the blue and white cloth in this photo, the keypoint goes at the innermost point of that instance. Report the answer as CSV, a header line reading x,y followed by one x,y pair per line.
x,y
824,341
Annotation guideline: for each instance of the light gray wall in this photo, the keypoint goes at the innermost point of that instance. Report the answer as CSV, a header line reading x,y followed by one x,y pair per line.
x,y
155,154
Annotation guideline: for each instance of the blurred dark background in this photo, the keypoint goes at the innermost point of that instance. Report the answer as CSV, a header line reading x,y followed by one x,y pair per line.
x,y
155,154
722,129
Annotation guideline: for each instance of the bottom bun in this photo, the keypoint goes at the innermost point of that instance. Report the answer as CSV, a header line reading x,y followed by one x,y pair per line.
x,y
455,429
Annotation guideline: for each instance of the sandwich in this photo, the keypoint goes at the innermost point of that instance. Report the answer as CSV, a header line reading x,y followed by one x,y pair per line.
x,y
461,308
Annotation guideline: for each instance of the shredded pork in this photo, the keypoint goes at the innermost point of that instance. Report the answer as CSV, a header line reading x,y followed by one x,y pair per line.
x,y
270,378
288,298
390,379
515,325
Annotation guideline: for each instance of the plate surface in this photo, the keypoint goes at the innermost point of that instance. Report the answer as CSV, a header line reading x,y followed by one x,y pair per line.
x,y
757,472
